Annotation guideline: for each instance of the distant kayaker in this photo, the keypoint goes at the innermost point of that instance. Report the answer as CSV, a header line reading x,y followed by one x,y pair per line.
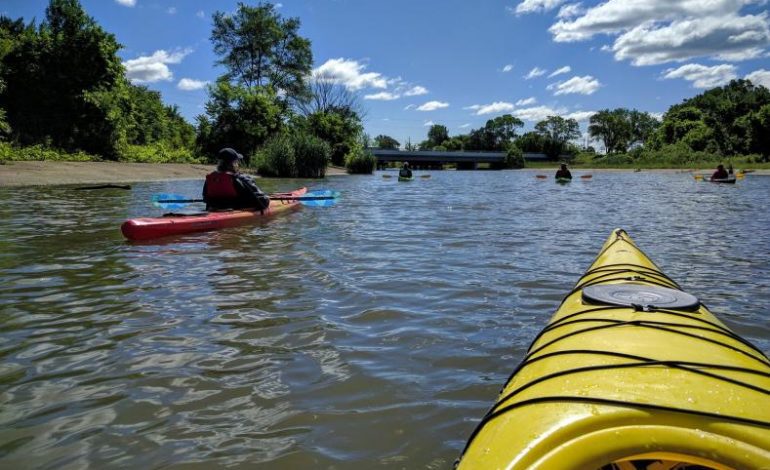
x,y
720,174
227,188
405,172
563,172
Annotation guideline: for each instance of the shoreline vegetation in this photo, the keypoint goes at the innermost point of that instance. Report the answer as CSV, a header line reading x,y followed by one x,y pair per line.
x,y
49,173
289,121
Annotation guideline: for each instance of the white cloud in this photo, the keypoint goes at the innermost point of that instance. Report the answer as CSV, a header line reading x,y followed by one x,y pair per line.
x,y
432,106
658,31
570,11
565,69
760,77
493,108
382,96
586,85
535,72
278,5
171,11
200,14
465,126
507,68
126,3
534,6
154,68
409,106
189,84
416,91
526,101
702,76
429,123
350,74
538,113
580,116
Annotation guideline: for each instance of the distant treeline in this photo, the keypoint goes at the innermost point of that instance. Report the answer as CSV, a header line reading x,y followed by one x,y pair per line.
x,y
63,89
725,123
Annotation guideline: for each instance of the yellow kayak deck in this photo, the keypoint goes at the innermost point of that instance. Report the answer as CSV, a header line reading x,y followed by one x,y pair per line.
x,y
610,386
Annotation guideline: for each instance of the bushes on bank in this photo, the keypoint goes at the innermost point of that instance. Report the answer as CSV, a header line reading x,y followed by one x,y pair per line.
x,y
157,153
9,152
293,155
360,161
514,158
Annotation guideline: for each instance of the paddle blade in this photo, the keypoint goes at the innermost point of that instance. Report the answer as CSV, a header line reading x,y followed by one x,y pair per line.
x,y
325,198
169,197
424,176
387,176
586,177
698,177
541,177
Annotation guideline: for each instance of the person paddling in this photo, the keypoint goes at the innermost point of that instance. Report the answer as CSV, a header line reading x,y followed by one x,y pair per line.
x,y
227,188
720,174
405,172
563,172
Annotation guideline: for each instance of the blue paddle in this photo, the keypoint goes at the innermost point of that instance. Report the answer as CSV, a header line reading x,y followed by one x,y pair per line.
x,y
319,198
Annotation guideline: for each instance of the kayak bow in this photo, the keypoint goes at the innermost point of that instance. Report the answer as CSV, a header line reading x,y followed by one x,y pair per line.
x,y
148,228
630,373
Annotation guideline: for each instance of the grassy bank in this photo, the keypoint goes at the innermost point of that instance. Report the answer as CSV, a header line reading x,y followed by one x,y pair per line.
x,y
156,153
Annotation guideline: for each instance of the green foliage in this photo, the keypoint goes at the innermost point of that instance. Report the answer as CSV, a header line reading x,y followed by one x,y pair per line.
x,y
259,48
158,153
66,89
312,155
496,135
716,121
514,158
386,142
360,161
556,133
238,117
437,134
338,127
295,154
9,152
277,157
531,142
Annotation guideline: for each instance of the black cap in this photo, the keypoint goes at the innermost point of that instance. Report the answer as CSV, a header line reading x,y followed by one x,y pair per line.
x,y
228,154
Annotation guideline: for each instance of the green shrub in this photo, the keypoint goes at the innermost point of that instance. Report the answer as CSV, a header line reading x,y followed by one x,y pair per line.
x,y
312,155
157,153
360,161
9,152
514,158
277,157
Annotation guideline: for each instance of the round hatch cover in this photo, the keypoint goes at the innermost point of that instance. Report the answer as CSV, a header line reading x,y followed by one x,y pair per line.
x,y
637,294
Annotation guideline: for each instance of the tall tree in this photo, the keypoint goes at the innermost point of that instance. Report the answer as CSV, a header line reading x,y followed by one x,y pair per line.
x,y
60,76
260,48
386,142
613,128
266,63
437,134
557,132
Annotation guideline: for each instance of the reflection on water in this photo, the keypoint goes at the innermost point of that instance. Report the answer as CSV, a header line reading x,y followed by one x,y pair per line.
x,y
373,333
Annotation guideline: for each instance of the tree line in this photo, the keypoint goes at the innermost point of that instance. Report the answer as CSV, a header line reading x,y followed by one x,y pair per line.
x,y
63,86
724,122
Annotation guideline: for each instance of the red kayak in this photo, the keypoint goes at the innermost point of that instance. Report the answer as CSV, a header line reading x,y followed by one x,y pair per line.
x,y
147,228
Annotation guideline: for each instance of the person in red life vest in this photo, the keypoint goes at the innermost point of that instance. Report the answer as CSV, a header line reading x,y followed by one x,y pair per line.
x,y
226,188
720,174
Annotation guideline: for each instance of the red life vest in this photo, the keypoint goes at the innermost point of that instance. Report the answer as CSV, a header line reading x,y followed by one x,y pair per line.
x,y
220,185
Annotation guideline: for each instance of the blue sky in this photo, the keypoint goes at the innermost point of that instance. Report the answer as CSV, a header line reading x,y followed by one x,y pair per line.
x,y
460,63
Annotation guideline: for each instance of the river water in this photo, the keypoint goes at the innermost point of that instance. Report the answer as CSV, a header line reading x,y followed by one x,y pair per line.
x,y
371,334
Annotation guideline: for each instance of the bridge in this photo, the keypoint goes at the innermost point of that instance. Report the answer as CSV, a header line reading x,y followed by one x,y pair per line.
x,y
430,159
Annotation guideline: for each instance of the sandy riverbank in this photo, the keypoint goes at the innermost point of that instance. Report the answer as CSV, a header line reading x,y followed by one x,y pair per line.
x,y
35,173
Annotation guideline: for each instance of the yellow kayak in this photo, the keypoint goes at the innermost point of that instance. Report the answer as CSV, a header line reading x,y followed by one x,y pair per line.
x,y
630,373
